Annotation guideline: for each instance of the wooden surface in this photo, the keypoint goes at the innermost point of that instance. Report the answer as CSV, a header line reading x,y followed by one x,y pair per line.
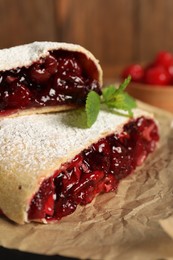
x,y
26,21
117,32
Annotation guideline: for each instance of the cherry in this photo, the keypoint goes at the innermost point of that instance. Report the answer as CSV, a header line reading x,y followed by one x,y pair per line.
x,y
87,188
49,205
63,207
121,162
98,156
170,71
68,84
136,71
71,176
51,65
44,69
164,59
50,96
68,65
43,201
110,183
10,79
18,95
157,76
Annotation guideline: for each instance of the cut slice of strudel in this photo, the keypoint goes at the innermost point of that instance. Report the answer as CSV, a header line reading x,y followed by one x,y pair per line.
x,y
48,166
46,76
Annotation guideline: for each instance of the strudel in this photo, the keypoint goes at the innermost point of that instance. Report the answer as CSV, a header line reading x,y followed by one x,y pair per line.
x,y
49,166
43,77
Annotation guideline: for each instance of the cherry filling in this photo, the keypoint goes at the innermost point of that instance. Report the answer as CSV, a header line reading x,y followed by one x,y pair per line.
x,y
58,79
95,170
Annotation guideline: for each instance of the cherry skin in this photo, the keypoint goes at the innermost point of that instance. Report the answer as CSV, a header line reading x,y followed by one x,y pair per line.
x,y
136,71
17,96
157,76
43,70
68,66
164,59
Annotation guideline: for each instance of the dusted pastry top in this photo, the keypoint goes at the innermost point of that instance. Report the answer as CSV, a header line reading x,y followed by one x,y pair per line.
x,y
34,142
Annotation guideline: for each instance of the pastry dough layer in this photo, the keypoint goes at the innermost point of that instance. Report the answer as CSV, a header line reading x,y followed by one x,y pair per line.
x,y
33,147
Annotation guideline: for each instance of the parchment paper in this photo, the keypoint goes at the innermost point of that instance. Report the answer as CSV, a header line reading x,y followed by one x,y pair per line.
x,y
133,223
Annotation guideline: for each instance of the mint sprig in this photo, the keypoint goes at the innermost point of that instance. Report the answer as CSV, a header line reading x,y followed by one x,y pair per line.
x,y
113,98
92,107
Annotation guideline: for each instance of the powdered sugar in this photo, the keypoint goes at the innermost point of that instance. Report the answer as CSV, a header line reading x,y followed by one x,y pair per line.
x,y
32,143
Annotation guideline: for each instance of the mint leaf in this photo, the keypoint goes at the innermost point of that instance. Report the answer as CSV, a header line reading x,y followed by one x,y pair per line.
x,y
122,101
108,92
118,101
114,98
92,107
117,98
124,84
131,102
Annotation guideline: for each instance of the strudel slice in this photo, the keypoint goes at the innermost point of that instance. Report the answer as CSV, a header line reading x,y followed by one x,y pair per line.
x,y
49,166
46,76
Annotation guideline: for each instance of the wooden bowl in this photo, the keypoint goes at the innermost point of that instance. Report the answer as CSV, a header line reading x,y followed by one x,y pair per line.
x,y
158,96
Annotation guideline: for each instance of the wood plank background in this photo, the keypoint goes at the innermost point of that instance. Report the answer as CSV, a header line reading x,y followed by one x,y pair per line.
x,y
118,32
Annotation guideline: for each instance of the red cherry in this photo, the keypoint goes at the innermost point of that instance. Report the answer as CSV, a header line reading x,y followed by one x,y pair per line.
x,y
164,59
49,205
157,76
149,66
18,95
10,79
170,71
51,65
136,71
110,183
68,66
43,70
